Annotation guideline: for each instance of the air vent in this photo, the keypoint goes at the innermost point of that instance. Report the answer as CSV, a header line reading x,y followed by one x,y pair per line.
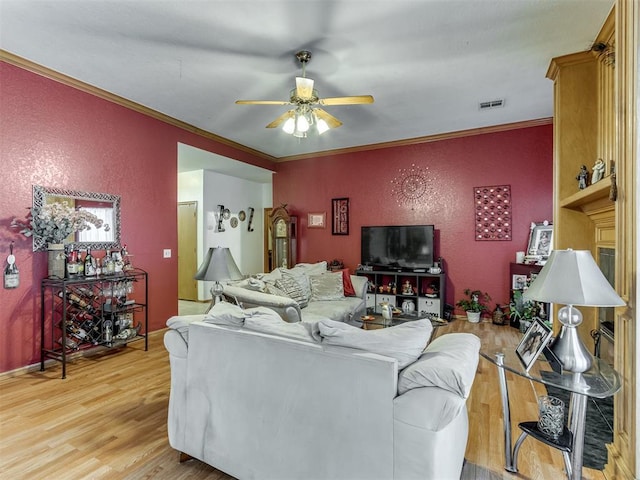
x,y
492,104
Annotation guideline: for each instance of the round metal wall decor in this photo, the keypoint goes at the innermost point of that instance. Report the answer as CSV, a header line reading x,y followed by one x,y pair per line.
x,y
411,185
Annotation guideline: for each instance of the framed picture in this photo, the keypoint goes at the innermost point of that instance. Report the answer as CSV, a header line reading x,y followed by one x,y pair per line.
x,y
340,216
540,239
533,342
518,282
316,220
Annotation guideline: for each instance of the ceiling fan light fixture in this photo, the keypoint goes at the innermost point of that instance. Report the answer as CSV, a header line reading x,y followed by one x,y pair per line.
x,y
302,123
290,125
322,126
304,87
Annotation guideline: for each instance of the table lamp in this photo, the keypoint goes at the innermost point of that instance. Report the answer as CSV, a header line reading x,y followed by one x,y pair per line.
x,y
572,277
218,265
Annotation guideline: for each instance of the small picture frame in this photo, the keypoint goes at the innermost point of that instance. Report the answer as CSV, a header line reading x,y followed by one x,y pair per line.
x,y
533,342
518,282
340,216
540,240
317,220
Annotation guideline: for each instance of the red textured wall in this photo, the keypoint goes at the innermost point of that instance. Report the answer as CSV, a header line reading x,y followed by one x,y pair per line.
x,y
56,136
520,158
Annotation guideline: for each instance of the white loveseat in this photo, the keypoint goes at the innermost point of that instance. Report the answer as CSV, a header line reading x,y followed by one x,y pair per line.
x,y
306,292
295,404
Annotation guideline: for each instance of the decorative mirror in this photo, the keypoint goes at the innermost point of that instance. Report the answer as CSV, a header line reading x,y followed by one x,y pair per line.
x,y
103,205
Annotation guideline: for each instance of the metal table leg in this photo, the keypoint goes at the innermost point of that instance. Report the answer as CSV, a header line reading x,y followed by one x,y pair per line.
x,y
506,414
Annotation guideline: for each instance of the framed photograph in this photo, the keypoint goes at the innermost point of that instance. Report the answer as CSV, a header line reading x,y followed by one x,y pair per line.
x,y
518,282
533,342
540,239
340,216
316,220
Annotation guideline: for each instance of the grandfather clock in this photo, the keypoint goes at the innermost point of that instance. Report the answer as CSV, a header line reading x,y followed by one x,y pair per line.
x,y
284,232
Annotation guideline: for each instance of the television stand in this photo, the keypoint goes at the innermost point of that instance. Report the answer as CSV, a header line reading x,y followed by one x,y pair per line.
x,y
428,290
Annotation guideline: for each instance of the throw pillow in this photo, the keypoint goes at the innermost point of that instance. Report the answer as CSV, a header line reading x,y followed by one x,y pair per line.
x,y
295,286
311,268
404,342
449,362
349,291
327,286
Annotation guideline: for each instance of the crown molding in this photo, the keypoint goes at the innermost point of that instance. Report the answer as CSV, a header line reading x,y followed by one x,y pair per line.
x,y
426,139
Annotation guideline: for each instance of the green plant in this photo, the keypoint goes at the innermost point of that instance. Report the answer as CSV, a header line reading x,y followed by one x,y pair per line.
x,y
476,301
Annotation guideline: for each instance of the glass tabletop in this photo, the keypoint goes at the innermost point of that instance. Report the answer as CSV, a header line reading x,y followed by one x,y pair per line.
x,y
600,381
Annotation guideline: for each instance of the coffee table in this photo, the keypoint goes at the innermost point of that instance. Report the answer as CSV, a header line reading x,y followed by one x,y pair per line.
x,y
376,320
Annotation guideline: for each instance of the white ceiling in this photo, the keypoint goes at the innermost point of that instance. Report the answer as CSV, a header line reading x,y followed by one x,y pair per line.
x,y
428,63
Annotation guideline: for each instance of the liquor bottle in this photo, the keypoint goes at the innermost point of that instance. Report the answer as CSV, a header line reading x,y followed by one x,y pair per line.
x,y
80,265
98,263
89,266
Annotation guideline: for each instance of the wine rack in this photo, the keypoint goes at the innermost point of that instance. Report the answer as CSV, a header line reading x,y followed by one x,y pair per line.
x,y
82,313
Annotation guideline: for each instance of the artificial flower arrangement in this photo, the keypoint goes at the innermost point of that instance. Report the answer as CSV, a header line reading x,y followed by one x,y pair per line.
x,y
54,222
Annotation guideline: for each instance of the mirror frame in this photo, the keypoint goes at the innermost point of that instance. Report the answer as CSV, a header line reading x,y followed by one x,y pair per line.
x,y
39,196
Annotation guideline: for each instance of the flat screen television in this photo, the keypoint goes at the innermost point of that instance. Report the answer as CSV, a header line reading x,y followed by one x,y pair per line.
x,y
406,247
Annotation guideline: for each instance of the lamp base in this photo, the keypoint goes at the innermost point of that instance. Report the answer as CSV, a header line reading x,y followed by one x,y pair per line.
x,y
570,350
216,295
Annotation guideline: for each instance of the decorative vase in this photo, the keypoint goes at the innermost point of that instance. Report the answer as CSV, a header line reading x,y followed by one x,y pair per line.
x,y
56,260
408,306
473,317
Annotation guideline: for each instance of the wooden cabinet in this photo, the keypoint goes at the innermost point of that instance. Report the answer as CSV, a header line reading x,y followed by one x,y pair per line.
x,y
596,117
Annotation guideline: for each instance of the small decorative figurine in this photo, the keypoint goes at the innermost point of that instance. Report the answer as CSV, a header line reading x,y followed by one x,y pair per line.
x,y
407,289
582,177
598,171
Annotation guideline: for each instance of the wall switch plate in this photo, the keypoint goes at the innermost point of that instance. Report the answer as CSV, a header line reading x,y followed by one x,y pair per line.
x,y
166,253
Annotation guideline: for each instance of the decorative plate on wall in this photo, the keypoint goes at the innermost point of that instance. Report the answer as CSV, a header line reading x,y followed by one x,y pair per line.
x,y
233,222
242,215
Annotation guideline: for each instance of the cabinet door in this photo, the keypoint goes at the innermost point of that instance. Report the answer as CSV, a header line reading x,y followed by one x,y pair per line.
x,y
429,305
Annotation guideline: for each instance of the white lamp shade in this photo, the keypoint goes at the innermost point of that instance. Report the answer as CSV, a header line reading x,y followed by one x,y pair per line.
x,y
572,277
218,265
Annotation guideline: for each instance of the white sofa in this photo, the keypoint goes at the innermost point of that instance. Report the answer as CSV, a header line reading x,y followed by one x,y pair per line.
x,y
284,406
269,290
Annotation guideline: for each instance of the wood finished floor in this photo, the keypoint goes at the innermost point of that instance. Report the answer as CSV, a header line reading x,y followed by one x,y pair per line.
x,y
107,420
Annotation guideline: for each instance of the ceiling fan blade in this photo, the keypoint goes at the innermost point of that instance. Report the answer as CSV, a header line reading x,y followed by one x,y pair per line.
x,y
353,100
262,102
304,88
332,121
282,118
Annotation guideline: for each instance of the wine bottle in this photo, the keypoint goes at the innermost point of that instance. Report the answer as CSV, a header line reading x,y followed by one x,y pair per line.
x,y
89,266
109,263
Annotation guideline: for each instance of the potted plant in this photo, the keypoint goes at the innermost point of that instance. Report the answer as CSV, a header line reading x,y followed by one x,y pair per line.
x,y
474,304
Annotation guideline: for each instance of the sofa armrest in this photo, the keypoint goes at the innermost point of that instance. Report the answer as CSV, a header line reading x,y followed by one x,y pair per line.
x,y
286,307
360,285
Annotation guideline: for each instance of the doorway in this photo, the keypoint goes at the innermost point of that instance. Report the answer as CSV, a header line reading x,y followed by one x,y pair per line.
x,y
187,250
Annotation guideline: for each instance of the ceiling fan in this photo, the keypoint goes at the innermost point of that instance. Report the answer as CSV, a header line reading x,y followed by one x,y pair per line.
x,y
306,113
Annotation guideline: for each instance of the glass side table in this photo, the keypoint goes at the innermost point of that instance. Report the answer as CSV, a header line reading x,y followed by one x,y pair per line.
x,y
601,381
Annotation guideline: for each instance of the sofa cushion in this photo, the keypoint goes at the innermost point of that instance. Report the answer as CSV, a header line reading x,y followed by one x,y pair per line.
x,y
340,310
404,342
228,314
327,286
295,286
449,362
274,325
310,268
